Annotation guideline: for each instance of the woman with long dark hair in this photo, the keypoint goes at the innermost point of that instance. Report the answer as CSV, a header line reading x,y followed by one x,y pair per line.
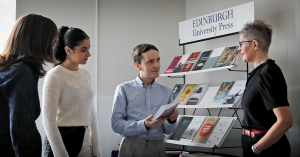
x,y
27,48
68,112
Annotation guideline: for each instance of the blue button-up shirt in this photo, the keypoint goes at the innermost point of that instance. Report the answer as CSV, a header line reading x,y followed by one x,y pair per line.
x,y
133,102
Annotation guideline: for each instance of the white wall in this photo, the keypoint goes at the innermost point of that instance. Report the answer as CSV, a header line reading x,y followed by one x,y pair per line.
x,y
7,19
121,26
72,13
284,16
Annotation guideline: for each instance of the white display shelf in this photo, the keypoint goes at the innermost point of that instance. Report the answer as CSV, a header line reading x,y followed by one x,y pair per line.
x,y
207,99
199,71
208,145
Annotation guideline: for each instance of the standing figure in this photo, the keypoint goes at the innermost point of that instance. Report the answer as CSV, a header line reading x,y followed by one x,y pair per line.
x,y
28,46
68,111
267,114
134,104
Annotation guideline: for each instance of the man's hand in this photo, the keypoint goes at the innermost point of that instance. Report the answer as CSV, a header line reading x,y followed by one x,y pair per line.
x,y
173,116
153,124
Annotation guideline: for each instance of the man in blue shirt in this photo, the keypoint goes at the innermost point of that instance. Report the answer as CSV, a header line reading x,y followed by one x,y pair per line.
x,y
134,104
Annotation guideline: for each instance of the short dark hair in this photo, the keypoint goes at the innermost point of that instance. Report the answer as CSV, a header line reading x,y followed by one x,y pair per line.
x,y
139,49
30,41
70,37
260,31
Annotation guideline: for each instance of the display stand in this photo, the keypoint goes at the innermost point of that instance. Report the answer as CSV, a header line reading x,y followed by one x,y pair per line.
x,y
182,75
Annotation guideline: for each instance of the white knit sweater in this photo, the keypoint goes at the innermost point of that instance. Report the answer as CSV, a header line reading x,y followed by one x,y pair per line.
x,y
68,101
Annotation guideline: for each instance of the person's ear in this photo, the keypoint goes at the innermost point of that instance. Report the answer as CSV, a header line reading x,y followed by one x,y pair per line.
x,y
68,51
138,66
255,45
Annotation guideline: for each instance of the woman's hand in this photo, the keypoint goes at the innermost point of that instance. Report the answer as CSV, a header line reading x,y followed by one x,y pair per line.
x,y
279,128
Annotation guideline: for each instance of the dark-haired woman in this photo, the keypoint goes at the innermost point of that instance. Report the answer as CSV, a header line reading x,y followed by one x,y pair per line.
x,y
28,46
68,112
267,114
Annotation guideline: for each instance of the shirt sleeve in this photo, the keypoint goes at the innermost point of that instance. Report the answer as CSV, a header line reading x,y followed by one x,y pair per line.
x,y
95,136
51,94
273,88
168,127
119,122
22,96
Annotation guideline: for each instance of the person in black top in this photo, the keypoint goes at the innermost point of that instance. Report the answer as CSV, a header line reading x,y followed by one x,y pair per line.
x,y
267,114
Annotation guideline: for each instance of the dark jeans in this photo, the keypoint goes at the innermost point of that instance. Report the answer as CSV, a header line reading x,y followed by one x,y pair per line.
x,y
280,148
72,138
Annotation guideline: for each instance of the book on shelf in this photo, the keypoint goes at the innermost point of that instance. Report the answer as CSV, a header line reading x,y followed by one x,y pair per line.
x,y
201,61
177,90
165,110
187,67
225,56
190,63
197,94
181,63
192,129
213,58
235,95
235,59
205,129
173,64
181,127
222,93
221,130
188,90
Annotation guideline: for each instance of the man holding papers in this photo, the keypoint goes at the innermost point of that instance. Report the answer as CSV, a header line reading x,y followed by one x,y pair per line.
x,y
135,103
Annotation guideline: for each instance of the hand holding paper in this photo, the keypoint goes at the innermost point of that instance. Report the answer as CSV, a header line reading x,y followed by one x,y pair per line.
x,y
153,124
166,110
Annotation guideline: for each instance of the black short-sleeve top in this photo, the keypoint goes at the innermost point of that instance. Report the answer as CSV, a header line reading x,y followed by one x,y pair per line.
x,y
265,90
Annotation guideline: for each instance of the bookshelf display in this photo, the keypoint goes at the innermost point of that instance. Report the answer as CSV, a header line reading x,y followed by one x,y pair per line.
x,y
215,138
205,103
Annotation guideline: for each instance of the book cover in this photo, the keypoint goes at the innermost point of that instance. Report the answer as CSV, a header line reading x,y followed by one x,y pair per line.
x,y
221,130
225,56
187,67
190,63
235,58
181,63
165,110
236,93
177,90
192,129
213,58
197,94
201,61
181,127
222,93
194,57
205,129
173,64
186,93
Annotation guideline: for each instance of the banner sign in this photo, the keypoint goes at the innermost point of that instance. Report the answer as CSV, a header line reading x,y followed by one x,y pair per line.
x,y
217,24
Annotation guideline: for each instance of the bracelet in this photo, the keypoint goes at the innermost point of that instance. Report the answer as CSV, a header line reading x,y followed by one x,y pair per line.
x,y
256,150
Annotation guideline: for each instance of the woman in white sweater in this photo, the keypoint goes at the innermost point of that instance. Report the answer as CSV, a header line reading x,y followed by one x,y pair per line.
x,y
69,116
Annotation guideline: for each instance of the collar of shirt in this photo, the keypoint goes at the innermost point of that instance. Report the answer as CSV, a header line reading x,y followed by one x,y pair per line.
x,y
142,84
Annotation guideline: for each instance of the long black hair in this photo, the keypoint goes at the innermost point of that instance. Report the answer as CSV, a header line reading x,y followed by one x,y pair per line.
x,y
70,37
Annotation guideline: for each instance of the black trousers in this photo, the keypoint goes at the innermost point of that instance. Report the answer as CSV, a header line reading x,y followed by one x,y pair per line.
x,y
72,138
281,148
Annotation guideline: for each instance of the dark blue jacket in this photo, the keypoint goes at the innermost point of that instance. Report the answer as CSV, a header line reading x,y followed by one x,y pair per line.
x,y
19,108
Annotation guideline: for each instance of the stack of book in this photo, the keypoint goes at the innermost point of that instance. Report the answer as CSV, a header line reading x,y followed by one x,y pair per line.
x,y
219,57
229,94
202,129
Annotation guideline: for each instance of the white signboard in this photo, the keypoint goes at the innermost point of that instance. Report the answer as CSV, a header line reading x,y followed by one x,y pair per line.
x,y
220,23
